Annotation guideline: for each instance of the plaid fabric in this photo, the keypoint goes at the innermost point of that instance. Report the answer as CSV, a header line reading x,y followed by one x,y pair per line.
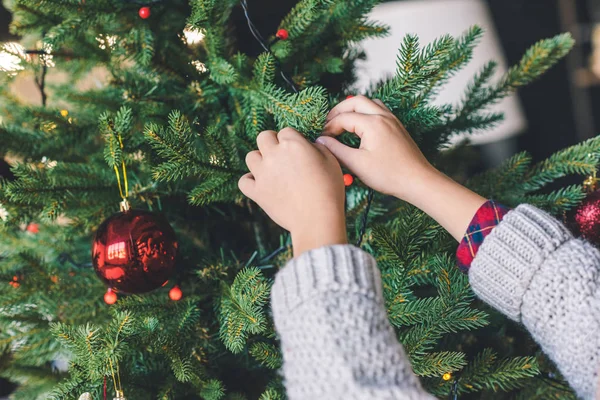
x,y
487,217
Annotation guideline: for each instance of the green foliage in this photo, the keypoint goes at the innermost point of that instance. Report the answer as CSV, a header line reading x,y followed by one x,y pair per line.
x,y
517,180
304,111
181,117
242,309
213,390
267,354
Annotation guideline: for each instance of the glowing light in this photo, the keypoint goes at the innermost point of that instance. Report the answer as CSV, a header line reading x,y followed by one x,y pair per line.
x,y
116,250
192,35
213,159
200,66
447,376
3,213
47,58
106,41
11,56
49,163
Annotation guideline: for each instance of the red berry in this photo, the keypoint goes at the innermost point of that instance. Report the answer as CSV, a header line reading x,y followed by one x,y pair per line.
x,y
349,96
282,34
175,293
33,228
348,179
144,12
110,297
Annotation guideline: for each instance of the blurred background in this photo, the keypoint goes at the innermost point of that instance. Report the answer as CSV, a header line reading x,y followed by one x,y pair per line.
x,y
561,109
548,115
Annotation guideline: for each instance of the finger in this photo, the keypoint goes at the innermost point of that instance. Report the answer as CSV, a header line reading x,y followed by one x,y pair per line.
x,y
381,104
246,184
253,159
359,104
289,134
346,155
266,140
351,122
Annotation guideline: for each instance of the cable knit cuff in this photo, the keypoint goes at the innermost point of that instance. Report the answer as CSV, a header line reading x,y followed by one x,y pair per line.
x,y
512,254
331,268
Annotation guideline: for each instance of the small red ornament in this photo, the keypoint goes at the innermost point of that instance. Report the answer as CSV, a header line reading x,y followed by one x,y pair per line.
x,y
144,12
348,179
587,218
15,282
282,34
134,251
33,228
349,96
110,297
175,293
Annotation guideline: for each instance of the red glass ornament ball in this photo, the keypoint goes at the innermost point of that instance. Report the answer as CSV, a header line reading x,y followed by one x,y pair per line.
x,y
175,293
144,12
587,218
282,34
348,179
33,228
134,251
110,297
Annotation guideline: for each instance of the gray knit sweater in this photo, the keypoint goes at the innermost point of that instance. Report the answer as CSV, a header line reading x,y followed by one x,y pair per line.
x,y
337,342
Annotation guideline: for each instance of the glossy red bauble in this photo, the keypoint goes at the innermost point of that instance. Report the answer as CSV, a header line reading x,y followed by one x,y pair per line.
x,y
587,218
144,12
110,297
33,228
348,179
282,34
175,293
134,251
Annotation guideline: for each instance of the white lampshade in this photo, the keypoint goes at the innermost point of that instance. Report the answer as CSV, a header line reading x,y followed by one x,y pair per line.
x,y
430,19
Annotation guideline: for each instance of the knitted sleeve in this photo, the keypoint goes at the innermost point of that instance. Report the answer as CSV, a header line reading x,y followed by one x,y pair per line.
x,y
532,269
336,340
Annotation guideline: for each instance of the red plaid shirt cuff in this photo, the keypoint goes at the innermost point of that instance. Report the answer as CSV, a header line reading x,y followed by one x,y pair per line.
x,y
485,220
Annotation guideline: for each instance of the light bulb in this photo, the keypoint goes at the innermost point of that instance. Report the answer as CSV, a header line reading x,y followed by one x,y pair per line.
x,y
192,35
11,56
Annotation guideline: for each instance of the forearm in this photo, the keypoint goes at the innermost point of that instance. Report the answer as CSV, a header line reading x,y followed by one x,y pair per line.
x,y
327,231
449,203
336,340
532,269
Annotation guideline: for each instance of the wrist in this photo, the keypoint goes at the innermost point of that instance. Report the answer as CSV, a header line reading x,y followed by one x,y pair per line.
x,y
420,188
318,235
448,202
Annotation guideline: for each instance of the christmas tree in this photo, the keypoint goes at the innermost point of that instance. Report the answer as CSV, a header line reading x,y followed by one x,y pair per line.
x,y
168,130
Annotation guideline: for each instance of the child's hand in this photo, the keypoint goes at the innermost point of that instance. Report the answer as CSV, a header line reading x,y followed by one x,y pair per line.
x,y
300,186
388,160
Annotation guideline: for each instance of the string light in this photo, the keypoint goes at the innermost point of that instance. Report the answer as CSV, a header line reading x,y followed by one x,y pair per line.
x,y
447,376
49,164
106,41
199,65
3,213
46,57
11,57
192,35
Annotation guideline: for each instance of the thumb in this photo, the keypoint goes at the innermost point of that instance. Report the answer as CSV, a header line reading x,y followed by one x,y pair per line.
x,y
346,155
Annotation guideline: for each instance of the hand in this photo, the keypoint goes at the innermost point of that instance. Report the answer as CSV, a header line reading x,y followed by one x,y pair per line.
x,y
389,161
300,186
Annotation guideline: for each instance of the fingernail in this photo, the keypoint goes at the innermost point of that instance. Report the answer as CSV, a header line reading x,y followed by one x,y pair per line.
x,y
320,140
